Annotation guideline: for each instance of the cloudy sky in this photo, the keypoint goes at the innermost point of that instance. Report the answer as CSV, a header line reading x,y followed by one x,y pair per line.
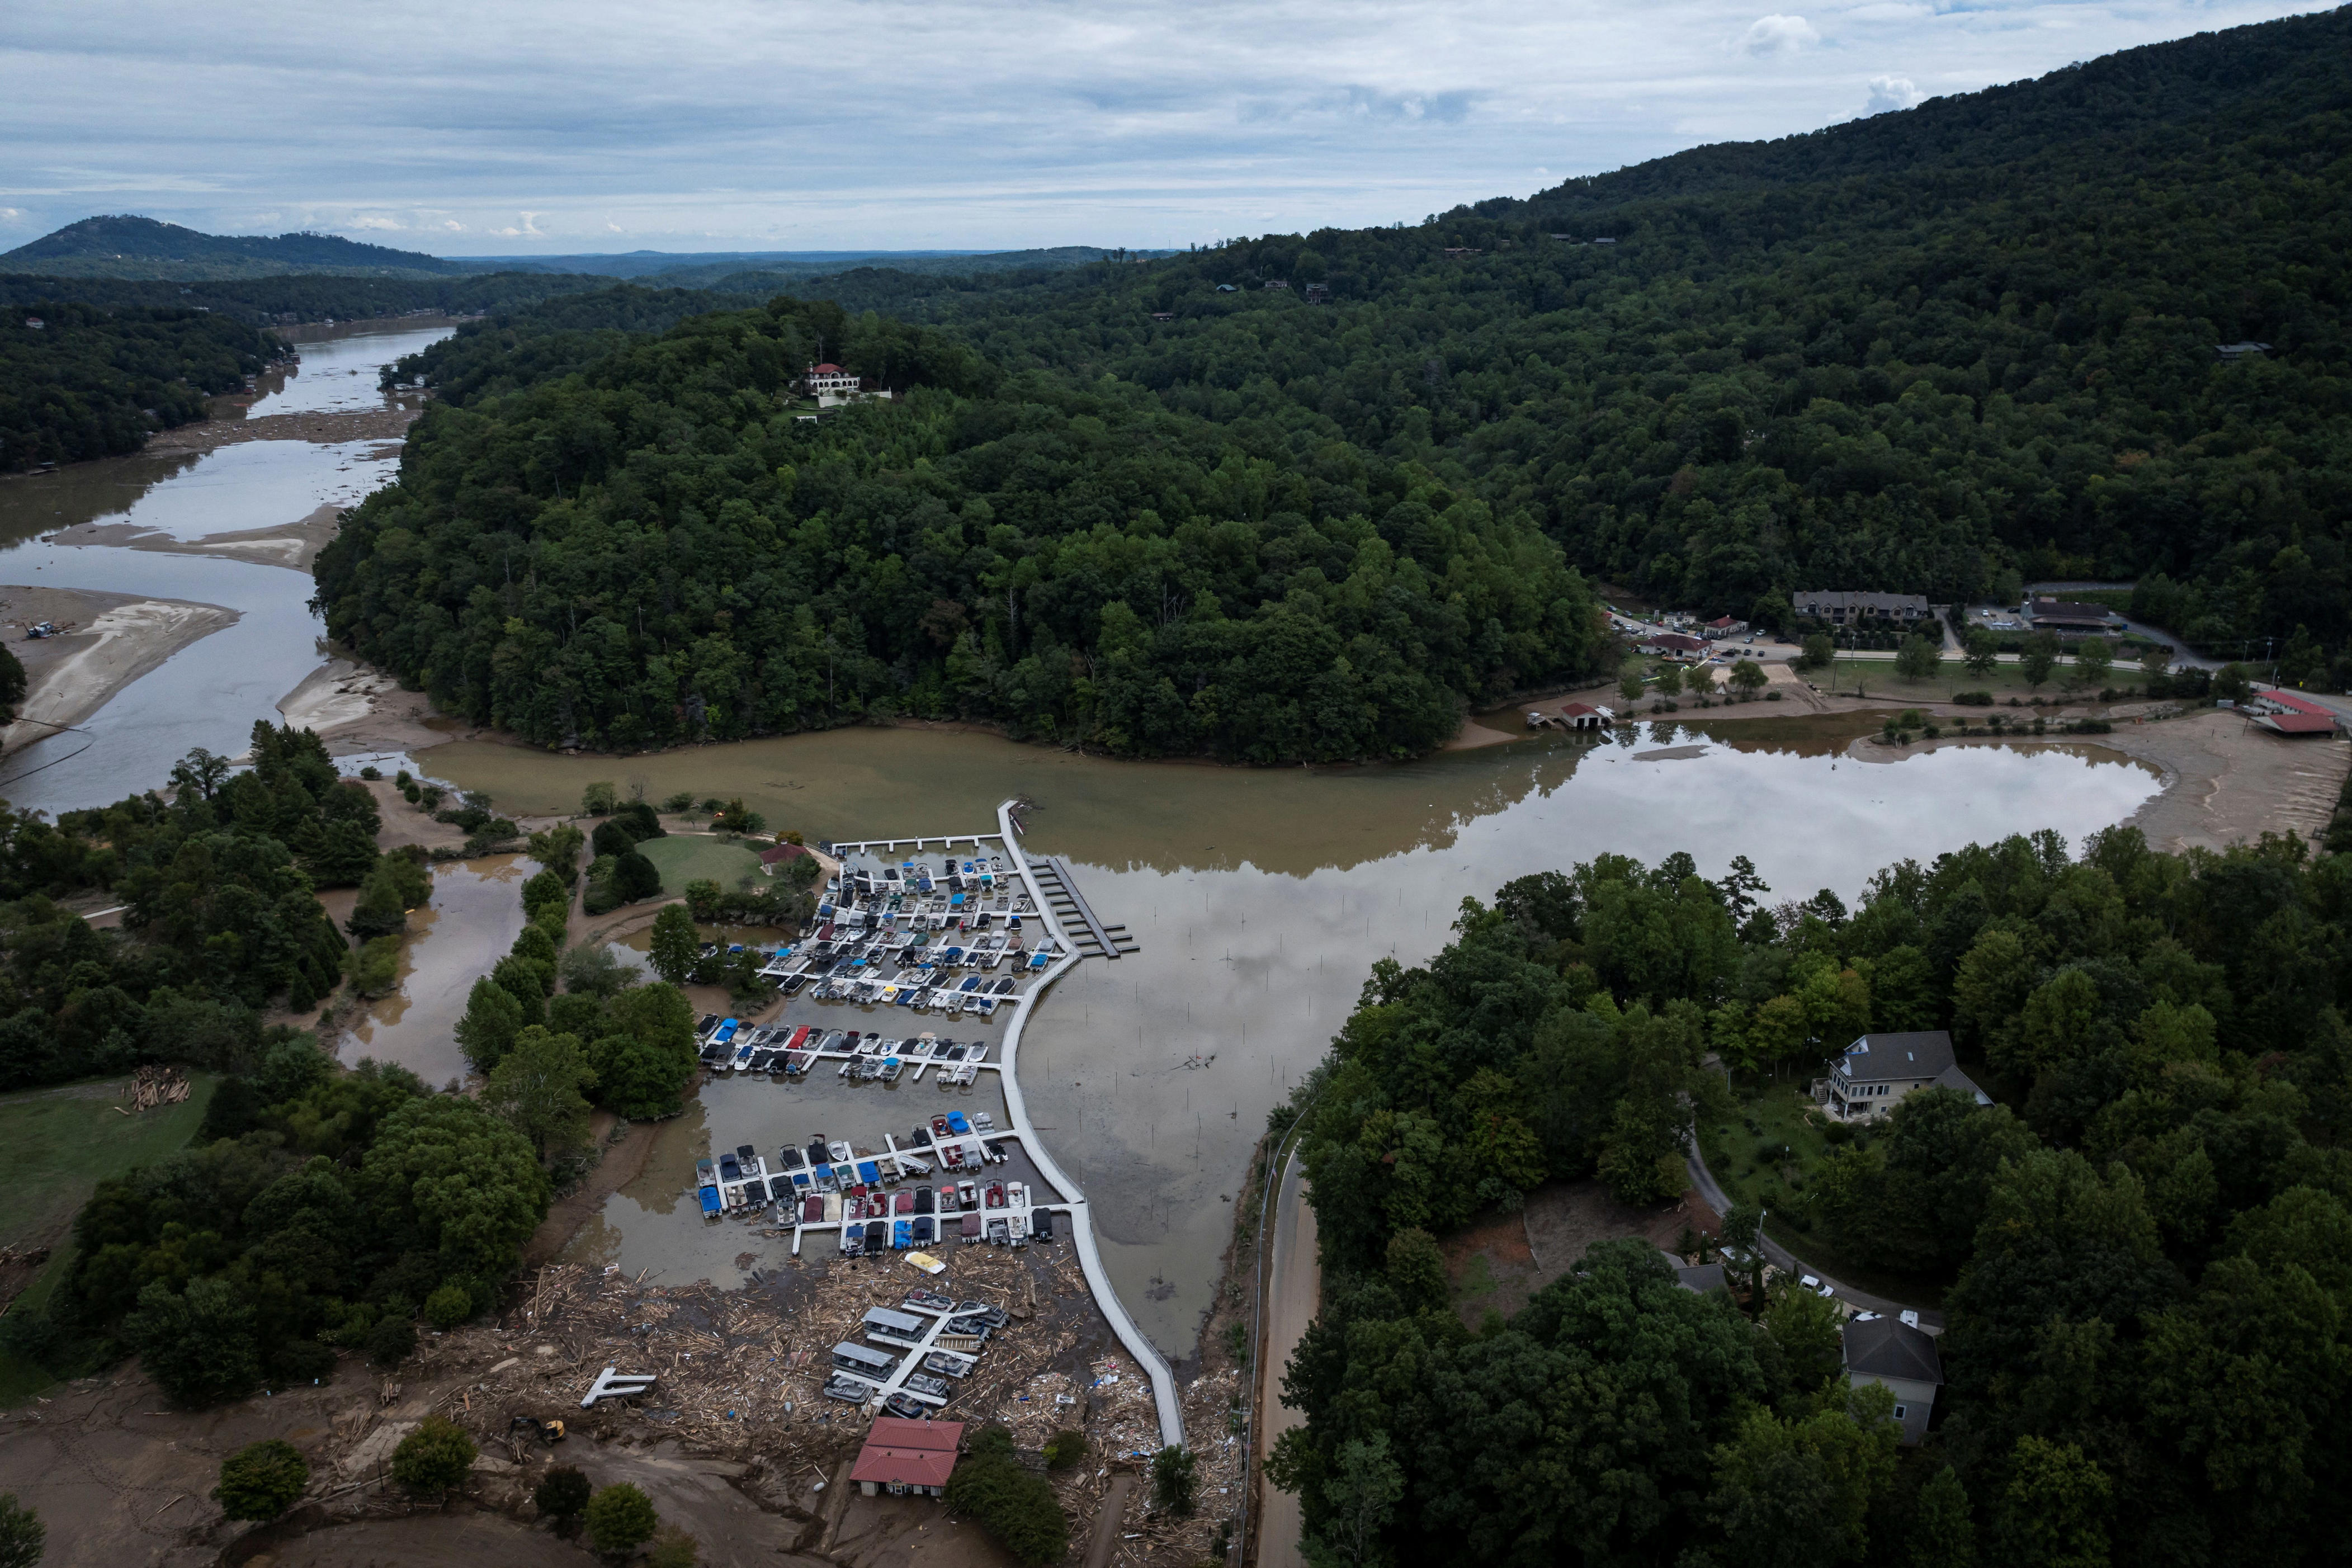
x,y
499,127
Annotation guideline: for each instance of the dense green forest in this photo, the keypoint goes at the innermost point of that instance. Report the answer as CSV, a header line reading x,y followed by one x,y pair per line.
x,y
655,548
1945,350
267,301
222,917
2147,1247
88,383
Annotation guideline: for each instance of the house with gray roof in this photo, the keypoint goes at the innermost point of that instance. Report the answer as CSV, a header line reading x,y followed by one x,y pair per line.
x,y
1891,1352
1842,609
1878,1070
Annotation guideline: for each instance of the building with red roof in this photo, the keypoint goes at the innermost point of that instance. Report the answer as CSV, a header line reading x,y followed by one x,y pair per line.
x,y
822,379
905,1457
2283,713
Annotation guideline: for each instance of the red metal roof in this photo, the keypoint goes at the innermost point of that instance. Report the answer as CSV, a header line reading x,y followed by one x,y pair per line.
x,y
782,852
2289,700
2296,723
824,370
1573,708
909,1452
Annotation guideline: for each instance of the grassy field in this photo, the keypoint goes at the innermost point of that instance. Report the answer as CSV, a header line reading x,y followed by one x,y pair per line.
x,y
1877,678
56,1145
684,858
1764,1151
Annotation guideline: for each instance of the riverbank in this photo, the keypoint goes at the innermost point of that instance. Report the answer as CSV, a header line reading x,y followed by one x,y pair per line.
x,y
117,639
290,544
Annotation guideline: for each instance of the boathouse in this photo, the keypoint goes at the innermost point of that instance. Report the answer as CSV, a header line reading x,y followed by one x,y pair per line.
x,y
908,1458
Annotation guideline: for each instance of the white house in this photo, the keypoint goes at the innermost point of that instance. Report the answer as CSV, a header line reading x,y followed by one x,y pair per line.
x,y
1877,1071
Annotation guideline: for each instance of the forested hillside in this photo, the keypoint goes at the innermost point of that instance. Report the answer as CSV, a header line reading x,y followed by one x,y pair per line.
x,y
655,548
131,247
261,302
85,382
2149,1263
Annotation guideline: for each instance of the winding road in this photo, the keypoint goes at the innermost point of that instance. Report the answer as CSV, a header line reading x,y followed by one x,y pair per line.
x,y
1294,1293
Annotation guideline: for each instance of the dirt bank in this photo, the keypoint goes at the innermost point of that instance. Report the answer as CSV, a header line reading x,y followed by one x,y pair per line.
x,y
2225,780
117,637
385,425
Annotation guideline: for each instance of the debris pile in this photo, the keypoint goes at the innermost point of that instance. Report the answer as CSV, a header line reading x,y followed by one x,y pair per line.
x,y
154,1086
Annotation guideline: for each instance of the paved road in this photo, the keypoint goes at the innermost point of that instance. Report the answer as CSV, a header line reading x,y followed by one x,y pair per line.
x,y
1294,1293
1781,1257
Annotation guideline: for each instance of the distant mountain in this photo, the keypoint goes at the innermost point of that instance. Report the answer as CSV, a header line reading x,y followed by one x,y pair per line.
x,y
129,246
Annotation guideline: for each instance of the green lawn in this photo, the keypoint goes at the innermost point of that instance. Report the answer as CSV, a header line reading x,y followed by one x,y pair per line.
x,y
684,858
1764,1151
1878,678
56,1145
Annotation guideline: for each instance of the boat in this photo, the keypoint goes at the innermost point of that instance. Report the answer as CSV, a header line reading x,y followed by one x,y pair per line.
x,y
946,1363
890,1068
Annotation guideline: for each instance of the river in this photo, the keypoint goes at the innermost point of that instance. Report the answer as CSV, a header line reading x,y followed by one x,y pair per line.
x,y
1260,898
211,692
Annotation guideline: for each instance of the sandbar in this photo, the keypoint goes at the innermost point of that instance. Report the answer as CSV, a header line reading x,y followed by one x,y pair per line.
x,y
116,638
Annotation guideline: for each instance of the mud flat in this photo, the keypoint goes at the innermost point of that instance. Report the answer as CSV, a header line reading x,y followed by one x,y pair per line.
x,y
2225,780
293,544
117,637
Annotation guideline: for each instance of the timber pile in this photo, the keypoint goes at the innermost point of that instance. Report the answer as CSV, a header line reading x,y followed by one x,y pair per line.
x,y
154,1086
1212,1404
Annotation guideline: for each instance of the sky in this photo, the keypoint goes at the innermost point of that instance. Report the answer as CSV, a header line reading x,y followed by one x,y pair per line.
x,y
539,126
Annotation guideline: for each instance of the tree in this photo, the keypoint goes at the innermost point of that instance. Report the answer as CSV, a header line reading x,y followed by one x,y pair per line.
x,y
636,879
596,971
491,1021
1363,1496
1699,680
1174,1472
1919,660
1417,1268
1064,1448
600,799
22,1537
2039,659
12,687
434,1458
1016,1507
1667,679
391,1341
562,1495
449,1306
2233,682
1816,651
456,1181
558,849
261,1480
2055,1511
1630,685
2094,658
2155,660
538,1087
1943,1534
197,1345
1984,652
676,944
619,1520
1748,678
199,775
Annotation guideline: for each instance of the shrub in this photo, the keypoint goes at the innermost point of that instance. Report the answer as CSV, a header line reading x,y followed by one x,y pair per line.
x,y
434,1458
415,794
261,1479
21,1533
1016,1507
1973,699
1174,1471
563,1495
449,1307
682,800
1064,1448
599,799
673,1547
620,1519
391,1340
370,772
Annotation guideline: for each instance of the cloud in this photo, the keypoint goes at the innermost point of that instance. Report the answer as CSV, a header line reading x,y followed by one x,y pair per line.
x,y
1889,93
377,220
1779,34
533,124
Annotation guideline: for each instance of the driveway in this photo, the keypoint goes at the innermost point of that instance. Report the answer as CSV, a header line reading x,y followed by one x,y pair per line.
x,y
1294,1293
1711,1191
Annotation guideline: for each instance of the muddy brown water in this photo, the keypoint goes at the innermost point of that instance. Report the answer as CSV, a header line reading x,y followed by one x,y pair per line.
x,y
472,921
1262,898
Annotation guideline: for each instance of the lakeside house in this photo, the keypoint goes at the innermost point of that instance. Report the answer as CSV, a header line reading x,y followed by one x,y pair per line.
x,y
820,379
1572,716
908,1458
1878,1071
1890,1352
2241,349
1840,607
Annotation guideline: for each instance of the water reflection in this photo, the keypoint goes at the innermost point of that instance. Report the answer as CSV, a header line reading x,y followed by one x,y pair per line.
x,y
1261,898
475,916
